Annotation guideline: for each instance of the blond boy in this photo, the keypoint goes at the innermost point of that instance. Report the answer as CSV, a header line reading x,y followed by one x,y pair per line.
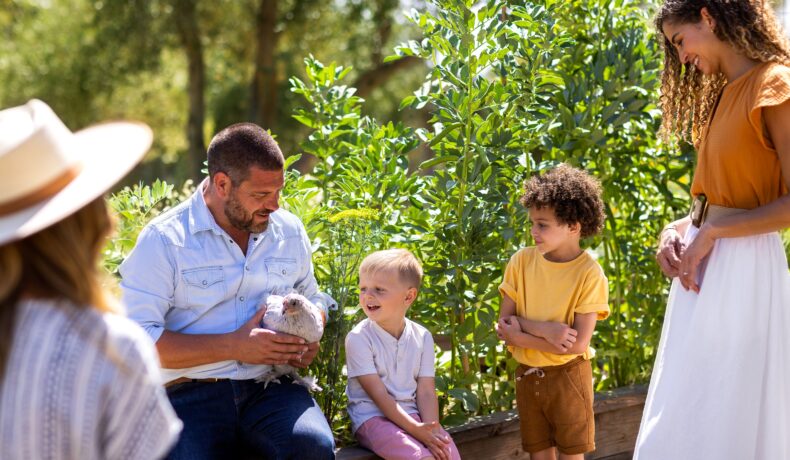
x,y
391,392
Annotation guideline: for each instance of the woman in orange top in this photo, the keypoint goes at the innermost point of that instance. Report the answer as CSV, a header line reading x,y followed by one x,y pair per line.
x,y
720,382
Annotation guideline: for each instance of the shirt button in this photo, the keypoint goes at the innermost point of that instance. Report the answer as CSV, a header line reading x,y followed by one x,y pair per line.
x,y
205,282
283,272
247,268
241,298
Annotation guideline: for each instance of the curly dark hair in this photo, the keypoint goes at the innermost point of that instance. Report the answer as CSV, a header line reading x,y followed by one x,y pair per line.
x,y
574,195
688,96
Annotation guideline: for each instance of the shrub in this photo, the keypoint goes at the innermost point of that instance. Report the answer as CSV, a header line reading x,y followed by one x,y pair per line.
x,y
513,88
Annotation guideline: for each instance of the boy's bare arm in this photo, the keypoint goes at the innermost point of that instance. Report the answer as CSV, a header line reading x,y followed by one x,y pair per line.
x,y
507,308
555,332
428,405
375,388
559,335
509,330
427,402
424,432
584,323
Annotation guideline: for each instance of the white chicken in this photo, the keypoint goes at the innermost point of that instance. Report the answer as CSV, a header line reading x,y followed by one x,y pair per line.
x,y
295,315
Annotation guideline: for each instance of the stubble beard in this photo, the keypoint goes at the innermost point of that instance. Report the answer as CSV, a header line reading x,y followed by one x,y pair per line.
x,y
242,220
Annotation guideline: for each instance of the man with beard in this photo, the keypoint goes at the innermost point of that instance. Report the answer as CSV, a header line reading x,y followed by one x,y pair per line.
x,y
195,280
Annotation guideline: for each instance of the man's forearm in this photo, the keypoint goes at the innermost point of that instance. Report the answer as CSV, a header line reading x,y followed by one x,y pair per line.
x,y
178,351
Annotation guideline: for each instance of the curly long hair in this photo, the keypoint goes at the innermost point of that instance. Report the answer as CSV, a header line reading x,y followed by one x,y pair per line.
x,y
687,96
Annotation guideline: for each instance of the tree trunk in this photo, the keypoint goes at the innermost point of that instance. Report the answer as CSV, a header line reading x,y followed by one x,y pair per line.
x,y
381,71
378,75
264,85
185,17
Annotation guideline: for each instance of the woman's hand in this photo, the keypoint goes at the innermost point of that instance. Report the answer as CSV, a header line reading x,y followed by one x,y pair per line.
x,y
692,258
670,251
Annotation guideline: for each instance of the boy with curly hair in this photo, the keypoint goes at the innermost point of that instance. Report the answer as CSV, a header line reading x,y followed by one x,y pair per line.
x,y
552,295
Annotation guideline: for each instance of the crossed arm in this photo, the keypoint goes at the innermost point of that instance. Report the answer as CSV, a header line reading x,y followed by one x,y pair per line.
x,y
547,336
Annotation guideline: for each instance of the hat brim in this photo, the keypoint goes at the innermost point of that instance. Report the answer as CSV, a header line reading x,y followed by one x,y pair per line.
x,y
108,152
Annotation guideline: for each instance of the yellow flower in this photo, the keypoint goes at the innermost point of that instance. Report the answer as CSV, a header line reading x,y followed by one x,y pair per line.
x,y
355,214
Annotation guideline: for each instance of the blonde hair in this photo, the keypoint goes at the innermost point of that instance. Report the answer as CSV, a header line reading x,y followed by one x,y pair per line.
x,y
58,263
401,261
687,96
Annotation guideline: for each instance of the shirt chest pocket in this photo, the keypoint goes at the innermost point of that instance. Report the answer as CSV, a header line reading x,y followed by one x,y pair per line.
x,y
204,288
281,275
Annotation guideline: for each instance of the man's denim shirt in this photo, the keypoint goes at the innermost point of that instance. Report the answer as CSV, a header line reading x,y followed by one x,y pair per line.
x,y
187,275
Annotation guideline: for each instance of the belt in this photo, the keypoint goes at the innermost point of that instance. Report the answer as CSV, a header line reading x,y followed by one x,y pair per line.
x,y
702,212
189,380
524,370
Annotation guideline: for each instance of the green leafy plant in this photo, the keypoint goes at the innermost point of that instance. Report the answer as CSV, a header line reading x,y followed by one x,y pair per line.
x,y
133,207
492,86
513,89
349,237
352,204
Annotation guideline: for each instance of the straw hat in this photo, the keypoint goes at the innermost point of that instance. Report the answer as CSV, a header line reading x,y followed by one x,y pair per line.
x,y
47,172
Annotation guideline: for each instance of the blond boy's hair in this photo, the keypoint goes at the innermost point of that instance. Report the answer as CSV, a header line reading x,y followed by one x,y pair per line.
x,y
401,261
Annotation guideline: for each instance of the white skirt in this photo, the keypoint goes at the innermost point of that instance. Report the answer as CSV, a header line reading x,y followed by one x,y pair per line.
x,y
721,381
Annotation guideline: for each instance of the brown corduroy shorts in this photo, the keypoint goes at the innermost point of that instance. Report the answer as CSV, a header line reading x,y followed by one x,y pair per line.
x,y
555,407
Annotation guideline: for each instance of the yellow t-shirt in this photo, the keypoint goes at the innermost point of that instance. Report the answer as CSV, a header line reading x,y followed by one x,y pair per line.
x,y
554,291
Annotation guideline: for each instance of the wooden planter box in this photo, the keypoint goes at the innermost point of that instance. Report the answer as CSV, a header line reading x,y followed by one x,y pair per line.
x,y
497,437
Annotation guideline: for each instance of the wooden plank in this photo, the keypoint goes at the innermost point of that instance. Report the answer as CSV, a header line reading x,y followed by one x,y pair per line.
x,y
503,447
615,432
355,453
620,398
497,437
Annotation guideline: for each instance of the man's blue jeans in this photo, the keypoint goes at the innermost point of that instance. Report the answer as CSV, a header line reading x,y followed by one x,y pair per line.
x,y
235,418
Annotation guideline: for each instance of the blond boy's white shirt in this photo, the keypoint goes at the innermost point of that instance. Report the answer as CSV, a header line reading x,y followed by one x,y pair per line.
x,y
398,362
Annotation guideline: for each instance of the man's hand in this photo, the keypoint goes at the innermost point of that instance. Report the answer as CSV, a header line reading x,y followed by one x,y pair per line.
x,y
558,334
307,357
434,438
257,345
670,251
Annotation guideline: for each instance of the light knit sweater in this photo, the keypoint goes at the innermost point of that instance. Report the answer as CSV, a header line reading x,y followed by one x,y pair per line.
x,y
80,384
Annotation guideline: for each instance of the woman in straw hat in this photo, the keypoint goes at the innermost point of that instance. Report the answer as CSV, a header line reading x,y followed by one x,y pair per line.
x,y
719,388
76,380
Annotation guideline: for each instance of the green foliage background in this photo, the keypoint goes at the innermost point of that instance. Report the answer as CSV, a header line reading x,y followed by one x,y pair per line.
x,y
512,88
95,60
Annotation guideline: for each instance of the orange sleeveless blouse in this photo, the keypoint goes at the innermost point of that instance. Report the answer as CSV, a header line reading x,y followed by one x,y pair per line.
x,y
737,165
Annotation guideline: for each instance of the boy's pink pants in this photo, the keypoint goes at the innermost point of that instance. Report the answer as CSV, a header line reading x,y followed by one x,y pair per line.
x,y
388,440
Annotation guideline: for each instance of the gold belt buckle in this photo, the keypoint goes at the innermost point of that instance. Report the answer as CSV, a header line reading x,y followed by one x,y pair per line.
x,y
699,210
